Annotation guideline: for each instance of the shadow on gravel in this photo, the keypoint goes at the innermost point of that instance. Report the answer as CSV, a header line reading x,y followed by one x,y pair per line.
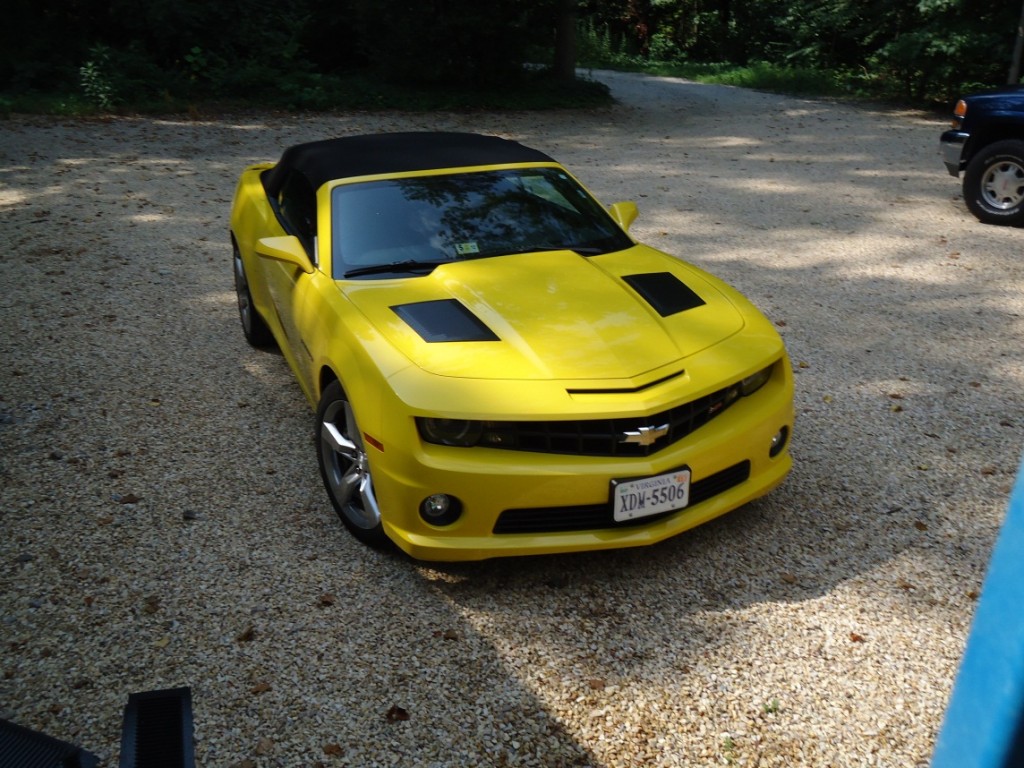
x,y
163,521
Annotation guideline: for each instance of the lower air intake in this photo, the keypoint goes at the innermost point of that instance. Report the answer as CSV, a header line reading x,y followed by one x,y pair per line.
x,y
599,516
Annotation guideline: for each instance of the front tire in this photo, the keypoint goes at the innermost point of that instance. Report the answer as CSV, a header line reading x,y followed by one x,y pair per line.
x,y
994,183
345,467
253,326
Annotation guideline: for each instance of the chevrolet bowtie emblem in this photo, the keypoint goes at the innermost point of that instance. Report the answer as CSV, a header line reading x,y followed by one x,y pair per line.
x,y
644,435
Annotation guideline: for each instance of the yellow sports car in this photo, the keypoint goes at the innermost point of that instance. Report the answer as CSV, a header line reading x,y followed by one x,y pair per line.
x,y
497,367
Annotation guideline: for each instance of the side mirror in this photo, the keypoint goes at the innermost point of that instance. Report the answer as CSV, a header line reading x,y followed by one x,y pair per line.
x,y
624,213
287,249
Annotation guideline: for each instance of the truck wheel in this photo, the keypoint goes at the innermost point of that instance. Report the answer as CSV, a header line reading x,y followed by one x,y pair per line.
x,y
994,183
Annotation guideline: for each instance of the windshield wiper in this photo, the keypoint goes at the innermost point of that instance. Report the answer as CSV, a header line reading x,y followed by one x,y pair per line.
x,y
582,250
409,265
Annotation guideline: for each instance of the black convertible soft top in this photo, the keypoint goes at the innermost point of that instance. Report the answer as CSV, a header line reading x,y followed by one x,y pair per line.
x,y
330,159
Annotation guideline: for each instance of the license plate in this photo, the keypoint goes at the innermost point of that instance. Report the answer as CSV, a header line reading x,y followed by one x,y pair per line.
x,y
650,495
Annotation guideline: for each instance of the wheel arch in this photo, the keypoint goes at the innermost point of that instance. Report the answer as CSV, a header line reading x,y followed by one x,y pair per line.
x,y
995,131
327,375
363,392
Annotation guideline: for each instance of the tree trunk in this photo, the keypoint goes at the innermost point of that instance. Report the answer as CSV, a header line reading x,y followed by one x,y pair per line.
x,y
565,42
1018,46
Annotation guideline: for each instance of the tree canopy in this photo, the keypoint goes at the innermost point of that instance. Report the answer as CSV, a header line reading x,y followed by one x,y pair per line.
x,y
115,50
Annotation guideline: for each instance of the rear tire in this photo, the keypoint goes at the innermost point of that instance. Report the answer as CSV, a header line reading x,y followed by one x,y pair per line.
x,y
253,326
345,467
994,183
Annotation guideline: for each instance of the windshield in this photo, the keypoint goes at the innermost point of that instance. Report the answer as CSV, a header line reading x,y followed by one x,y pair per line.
x,y
408,226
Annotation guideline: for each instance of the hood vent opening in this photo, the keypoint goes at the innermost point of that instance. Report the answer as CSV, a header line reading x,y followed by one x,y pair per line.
x,y
444,320
665,292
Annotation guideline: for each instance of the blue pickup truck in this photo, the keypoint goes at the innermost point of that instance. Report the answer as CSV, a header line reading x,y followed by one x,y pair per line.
x,y
986,144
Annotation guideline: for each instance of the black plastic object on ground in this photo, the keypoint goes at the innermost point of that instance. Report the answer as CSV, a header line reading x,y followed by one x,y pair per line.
x,y
157,730
29,749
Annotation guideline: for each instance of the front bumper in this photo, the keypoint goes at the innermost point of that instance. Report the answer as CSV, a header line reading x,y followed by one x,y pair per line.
x,y
489,482
951,147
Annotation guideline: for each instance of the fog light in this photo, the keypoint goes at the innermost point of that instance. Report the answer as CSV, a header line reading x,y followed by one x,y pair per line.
x,y
440,509
779,440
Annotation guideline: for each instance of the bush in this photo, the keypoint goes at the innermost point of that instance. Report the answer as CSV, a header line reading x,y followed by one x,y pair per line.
x,y
94,77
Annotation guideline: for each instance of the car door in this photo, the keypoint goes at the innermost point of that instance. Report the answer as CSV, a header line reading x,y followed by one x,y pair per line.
x,y
295,207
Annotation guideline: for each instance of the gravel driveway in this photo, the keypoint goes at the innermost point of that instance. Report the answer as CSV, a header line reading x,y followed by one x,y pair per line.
x,y
163,522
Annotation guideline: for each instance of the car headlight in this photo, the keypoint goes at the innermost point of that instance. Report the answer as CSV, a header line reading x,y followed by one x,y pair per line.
x,y
460,432
751,384
465,433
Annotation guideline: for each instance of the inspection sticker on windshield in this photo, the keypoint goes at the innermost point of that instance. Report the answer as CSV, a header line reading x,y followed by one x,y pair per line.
x,y
650,495
464,249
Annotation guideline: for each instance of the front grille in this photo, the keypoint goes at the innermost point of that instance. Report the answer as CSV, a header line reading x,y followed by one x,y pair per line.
x,y
604,437
599,516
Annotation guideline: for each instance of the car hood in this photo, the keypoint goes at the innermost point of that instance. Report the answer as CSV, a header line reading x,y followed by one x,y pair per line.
x,y
551,315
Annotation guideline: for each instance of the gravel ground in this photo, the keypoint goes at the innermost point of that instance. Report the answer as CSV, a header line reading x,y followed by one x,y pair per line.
x,y
163,522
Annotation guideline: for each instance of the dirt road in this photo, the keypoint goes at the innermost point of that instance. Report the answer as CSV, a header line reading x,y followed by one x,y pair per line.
x,y
163,522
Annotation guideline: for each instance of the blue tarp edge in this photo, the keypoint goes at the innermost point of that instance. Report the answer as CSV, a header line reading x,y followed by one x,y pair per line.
x,y
984,721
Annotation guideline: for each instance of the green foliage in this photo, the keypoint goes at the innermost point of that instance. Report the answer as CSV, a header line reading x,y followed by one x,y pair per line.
x,y
593,46
782,79
93,55
729,753
759,75
95,78
196,63
918,50
89,55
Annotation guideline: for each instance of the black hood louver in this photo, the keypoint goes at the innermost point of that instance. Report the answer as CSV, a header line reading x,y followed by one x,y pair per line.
x,y
444,320
665,292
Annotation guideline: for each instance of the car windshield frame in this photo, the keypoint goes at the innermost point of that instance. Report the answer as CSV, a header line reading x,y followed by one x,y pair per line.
x,y
409,225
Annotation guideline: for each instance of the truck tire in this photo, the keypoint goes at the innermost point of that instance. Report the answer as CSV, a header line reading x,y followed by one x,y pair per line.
x,y
994,183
